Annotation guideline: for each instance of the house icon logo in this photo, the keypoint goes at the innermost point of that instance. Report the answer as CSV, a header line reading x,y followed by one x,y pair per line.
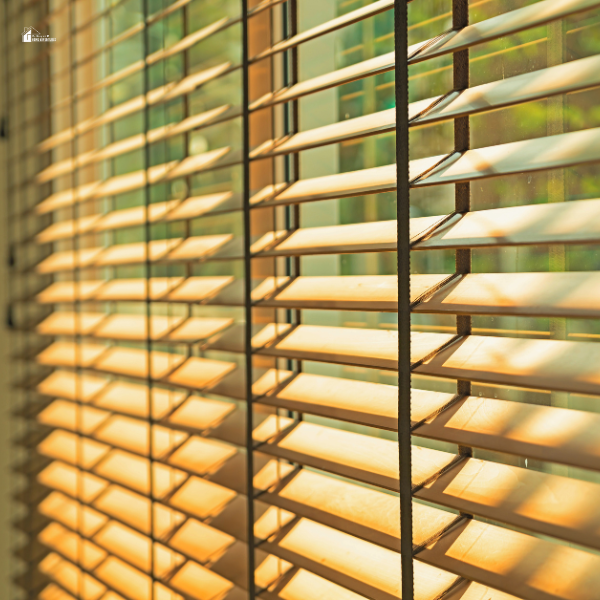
x,y
29,32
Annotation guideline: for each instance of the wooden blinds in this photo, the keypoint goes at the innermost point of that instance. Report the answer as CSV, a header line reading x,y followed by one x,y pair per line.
x,y
305,298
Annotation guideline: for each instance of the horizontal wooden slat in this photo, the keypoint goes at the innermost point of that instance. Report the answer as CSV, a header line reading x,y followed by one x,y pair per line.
x,y
133,434
198,328
119,184
372,404
360,511
540,364
133,472
377,236
330,134
70,448
134,510
132,327
69,354
69,512
545,433
465,551
53,592
204,119
476,591
361,347
563,223
369,292
71,545
139,65
135,327
342,185
158,95
561,79
133,399
68,291
372,66
208,247
541,503
575,222
556,151
516,563
352,17
191,39
137,549
504,550
575,294
169,211
193,372
528,17
71,416
538,502
67,229
68,260
358,565
356,456
67,384
71,578
156,288
72,481
70,323
131,582
300,583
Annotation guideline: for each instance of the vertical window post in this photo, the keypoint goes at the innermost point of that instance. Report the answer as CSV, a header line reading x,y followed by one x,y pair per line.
x,y
403,214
